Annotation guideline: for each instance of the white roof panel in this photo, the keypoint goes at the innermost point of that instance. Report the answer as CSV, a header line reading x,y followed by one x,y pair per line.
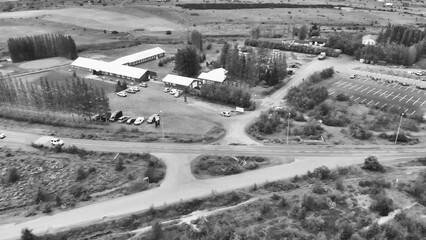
x,y
139,56
179,80
114,68
216,75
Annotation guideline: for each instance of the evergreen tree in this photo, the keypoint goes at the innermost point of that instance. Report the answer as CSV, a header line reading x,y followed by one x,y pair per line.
x,y
187,62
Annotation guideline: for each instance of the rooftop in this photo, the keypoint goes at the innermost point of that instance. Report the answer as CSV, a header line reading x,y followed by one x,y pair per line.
x,y
139,56
216,75
179,80
110,67
369,36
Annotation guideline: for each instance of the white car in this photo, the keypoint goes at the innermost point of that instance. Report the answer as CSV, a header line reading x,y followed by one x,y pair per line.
x,y
352,76
56,142
225,114
178,93
122,94
166,90
173,91
152,118
135,88
143,84
123,119
2,135
131,90
139,120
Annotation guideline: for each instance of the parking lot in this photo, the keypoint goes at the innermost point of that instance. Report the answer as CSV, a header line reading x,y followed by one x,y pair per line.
x,y
382,94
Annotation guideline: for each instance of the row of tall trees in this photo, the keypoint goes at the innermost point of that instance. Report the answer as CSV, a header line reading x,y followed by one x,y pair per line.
x,y
399,34
254,65
196,39
75,96
392,53
226,94
41,46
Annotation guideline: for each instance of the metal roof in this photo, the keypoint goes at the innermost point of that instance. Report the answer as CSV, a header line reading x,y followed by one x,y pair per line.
x,y
216,75
109,67
179,80
139,56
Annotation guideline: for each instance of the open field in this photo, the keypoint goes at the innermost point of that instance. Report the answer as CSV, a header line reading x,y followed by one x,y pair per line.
x,y
364,90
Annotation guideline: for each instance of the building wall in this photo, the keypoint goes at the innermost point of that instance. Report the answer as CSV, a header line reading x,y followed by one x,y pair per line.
x,y
145,60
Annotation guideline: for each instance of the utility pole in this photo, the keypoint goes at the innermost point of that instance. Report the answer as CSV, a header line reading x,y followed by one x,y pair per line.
x,y
288,126
162,122
399,126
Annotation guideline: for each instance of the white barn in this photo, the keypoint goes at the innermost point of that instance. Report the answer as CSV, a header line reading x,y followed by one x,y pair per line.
x,y
140,57
111,69
369,39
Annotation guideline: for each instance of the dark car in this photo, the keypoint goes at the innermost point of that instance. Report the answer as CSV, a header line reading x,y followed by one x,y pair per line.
x,y
131,120
116,115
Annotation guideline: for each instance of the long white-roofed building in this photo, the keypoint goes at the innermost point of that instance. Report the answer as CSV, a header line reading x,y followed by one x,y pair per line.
x,y
98,67
180,82
140,57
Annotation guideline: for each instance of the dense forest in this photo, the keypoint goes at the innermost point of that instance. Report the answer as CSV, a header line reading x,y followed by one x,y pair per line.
x,y
75,96
41,46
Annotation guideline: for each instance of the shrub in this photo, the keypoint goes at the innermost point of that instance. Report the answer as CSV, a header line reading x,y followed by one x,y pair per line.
x,y
119,165
372,164
77,190
311,203
318,188
168,32
209,46
13,175
339,185
41,196
358,131
154,175
81,174
265,209
114,32
382,204
342,97
327,73
322,173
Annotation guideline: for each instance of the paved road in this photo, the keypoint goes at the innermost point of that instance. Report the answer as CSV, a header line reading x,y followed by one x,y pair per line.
x,y
180,184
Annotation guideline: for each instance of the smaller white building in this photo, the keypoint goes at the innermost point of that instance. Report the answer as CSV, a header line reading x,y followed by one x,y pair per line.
x,y
180,82
369,39
140,57
217,75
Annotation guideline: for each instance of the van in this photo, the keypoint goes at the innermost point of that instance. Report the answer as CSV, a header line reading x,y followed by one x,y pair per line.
x,y
116,115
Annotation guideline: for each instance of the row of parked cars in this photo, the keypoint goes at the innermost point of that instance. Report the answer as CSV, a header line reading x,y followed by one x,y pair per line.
x,y
132,90
118,116
173,91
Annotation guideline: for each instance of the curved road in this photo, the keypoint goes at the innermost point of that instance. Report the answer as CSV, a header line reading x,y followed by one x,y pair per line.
x,y
180,184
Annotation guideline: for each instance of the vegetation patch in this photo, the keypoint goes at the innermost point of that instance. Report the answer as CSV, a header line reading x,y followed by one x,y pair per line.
x,y
216,165
59,178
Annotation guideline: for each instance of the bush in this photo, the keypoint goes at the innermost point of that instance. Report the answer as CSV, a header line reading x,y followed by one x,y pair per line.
x,y
319,189
342,97
77,190
154,175
119,165
168,32
339,185
321,173
358,131
382,204
81,174
209,46
372,164
13,175
41,196
327,73
311,203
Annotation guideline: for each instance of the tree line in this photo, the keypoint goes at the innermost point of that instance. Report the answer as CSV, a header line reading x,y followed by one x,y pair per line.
x,y
399,34
254,65
75,96
310,49
41,46
226,94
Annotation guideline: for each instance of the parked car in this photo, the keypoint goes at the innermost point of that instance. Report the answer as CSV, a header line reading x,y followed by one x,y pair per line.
x,y
115,115
152,118
135,88
56,142
225,113
139,120
131,90
352,76
178,93
2,135
143,84
130,120
173,91
123,119
166,90
122,94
